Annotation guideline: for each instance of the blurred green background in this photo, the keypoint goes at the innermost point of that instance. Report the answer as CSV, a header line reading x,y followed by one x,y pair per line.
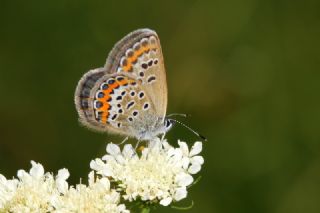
x,y
247,71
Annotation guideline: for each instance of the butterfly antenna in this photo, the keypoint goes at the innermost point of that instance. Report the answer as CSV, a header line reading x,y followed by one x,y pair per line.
x,y
191,130
179,114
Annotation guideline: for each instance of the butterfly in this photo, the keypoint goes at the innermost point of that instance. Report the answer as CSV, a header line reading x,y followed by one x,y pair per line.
x,y
128,96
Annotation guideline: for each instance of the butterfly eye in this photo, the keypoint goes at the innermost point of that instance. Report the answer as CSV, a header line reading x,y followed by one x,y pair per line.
x,y
167,123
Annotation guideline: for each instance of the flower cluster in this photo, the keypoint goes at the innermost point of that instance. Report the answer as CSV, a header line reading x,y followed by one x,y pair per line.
x,y
32,191
160,173
37,191
94,198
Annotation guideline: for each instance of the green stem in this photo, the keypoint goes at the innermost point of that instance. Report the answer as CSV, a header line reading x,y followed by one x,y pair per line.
x,y
145,210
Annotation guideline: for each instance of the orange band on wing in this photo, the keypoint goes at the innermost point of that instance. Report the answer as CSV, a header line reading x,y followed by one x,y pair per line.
x,y
106,99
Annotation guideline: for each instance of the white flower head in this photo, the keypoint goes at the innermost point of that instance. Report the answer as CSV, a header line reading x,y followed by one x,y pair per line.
x,y
31,192
37,191
7,190
161,174
97,197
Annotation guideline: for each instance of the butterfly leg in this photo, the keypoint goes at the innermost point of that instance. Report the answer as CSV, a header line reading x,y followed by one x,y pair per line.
x,y
124,140
162,137
137,144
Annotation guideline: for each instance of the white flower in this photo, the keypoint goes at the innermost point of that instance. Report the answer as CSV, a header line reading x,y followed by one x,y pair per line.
x,y
31,192
191,160
61,180
37,191
162,173
95,198
7,190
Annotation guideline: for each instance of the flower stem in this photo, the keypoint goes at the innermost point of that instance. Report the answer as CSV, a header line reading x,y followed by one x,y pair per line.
x,y
145,210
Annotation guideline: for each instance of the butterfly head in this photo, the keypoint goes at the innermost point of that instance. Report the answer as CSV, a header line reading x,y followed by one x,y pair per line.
x,y
168,124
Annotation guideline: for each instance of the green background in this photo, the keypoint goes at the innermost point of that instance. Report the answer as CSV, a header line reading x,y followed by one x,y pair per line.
x,y
247,71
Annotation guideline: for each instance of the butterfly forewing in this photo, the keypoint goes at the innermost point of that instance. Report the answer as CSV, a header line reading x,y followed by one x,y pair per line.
x,y
140,54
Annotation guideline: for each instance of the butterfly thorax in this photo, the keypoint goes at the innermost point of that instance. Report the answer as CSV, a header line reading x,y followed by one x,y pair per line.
x,y
148,127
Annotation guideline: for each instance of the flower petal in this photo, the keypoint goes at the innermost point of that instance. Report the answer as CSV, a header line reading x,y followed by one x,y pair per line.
x,y
62,186
63,174
180,193
166,145
100,167
185,162
196,148
22,175
120,159
166,201
37,170
194,168
91,178
177,155
197,160
103,184
113,149
184,179
108,158
184,147
128,151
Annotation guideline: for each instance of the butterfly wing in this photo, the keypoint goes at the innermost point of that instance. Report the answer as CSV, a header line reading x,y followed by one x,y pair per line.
x,y
130,92
140,55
